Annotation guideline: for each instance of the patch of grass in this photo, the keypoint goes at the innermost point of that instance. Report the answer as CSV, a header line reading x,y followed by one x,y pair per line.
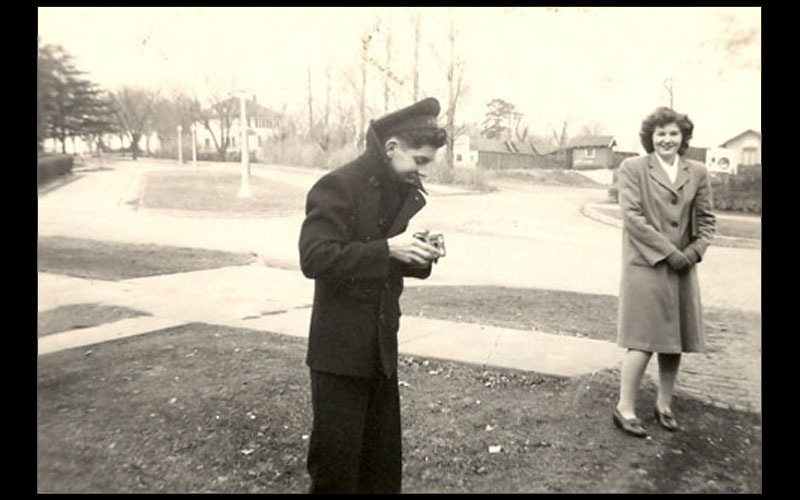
x,y
550,311
201,408
74,316
105,260
546,177
218,192
735,228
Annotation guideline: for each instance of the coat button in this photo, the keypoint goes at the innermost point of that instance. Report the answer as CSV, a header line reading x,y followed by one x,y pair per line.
x,y
673,224
674,200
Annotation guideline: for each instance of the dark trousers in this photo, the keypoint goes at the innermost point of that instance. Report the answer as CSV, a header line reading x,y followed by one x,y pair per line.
x,y
355,444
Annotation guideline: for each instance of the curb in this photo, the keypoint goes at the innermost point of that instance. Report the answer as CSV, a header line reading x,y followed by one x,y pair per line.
x,y
56,183
588,210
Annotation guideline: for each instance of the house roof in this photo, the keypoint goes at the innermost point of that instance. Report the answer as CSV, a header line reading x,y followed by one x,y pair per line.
x,y
592,141
741,134
500,146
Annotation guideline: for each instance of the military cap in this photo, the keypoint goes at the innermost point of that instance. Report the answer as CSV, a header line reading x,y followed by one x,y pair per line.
x,y
419,116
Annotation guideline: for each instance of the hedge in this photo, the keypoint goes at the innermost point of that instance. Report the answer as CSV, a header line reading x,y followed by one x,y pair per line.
x,y
740,192
52,166
735,193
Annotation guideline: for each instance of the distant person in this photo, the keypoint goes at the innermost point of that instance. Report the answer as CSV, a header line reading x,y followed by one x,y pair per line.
x,y
354,244
665,202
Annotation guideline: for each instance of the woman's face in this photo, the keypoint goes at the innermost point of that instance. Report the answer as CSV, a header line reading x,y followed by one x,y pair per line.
x,y
667,140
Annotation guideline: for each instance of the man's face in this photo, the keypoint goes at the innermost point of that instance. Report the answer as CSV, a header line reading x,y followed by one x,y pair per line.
x,y
405,159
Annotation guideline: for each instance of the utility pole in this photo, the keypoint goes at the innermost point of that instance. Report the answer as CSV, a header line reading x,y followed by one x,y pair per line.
x,y
669,88
244,189
194,145
180,148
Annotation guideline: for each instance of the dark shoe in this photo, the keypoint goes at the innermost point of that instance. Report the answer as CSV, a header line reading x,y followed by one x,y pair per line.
x,y
632,426
667,420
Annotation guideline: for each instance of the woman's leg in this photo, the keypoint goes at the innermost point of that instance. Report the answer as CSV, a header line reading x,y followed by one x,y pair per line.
x,y
667,373
633,366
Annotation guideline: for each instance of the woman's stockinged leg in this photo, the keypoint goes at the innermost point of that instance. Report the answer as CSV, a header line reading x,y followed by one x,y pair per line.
x,y
633,366
667,373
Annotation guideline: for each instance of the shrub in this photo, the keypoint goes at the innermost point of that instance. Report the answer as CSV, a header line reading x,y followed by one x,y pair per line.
x,y
473,178
735,193
52,166
293,151
738,193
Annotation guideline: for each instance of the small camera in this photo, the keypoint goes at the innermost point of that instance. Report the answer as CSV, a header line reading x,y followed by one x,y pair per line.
x,y
435,240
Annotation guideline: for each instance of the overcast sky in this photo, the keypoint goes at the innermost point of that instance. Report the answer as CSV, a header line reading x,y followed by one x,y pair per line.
x,y
582,65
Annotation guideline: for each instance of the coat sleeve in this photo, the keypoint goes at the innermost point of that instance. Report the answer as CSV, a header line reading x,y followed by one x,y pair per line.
x,y
704,219
648,240
326,250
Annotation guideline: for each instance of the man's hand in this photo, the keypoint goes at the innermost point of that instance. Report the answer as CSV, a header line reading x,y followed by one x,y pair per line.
x,y
678,261
409,250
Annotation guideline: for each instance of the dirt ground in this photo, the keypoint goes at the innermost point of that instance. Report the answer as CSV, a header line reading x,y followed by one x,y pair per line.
x,y
202,408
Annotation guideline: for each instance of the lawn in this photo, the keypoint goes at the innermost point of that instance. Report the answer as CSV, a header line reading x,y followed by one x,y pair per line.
x,y
218,192
560,312
106,260
202,408
74,316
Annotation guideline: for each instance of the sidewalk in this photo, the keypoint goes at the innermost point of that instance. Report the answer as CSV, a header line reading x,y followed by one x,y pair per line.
x,y
279,301
261,298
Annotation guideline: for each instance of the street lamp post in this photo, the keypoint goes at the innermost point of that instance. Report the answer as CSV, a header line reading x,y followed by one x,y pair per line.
x,y
180,147
194,145
244,189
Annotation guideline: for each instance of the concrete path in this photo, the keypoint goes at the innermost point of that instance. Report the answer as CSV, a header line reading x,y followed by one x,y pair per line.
x,y
569,252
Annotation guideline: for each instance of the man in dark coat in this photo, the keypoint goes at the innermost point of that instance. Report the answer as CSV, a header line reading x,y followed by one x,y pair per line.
x,y
354,244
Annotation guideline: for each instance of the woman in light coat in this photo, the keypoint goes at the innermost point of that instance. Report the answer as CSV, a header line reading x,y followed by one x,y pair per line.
x,y
665,202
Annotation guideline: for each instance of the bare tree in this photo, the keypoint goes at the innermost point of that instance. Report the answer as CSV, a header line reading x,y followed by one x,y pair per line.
x,y
561,140
592,128
134,107
387,69
310,106
362,104
217,118
455,81
417,24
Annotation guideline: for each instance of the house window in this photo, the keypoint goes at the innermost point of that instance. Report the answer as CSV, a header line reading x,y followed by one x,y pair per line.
x,y
233,141
749,156
590,152
458,158
208,143
259,140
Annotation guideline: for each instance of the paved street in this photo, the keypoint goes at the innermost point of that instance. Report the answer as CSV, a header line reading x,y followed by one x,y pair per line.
x,y
522,236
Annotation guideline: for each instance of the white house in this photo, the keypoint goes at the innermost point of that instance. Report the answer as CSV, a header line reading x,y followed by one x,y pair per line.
x,y
747,146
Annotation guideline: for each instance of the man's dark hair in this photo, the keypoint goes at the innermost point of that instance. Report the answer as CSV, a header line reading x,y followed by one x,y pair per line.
x,y
427,137
661,117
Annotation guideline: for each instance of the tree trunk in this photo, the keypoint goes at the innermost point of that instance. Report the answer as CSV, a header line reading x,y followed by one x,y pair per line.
x,y
417,24
135,146
310,107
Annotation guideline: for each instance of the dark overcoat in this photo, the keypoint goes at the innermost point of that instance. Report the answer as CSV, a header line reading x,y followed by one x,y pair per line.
x,y
659,309
343,247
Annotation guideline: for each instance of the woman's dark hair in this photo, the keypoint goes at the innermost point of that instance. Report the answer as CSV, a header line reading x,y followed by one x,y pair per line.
x,y
664,116
426,137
